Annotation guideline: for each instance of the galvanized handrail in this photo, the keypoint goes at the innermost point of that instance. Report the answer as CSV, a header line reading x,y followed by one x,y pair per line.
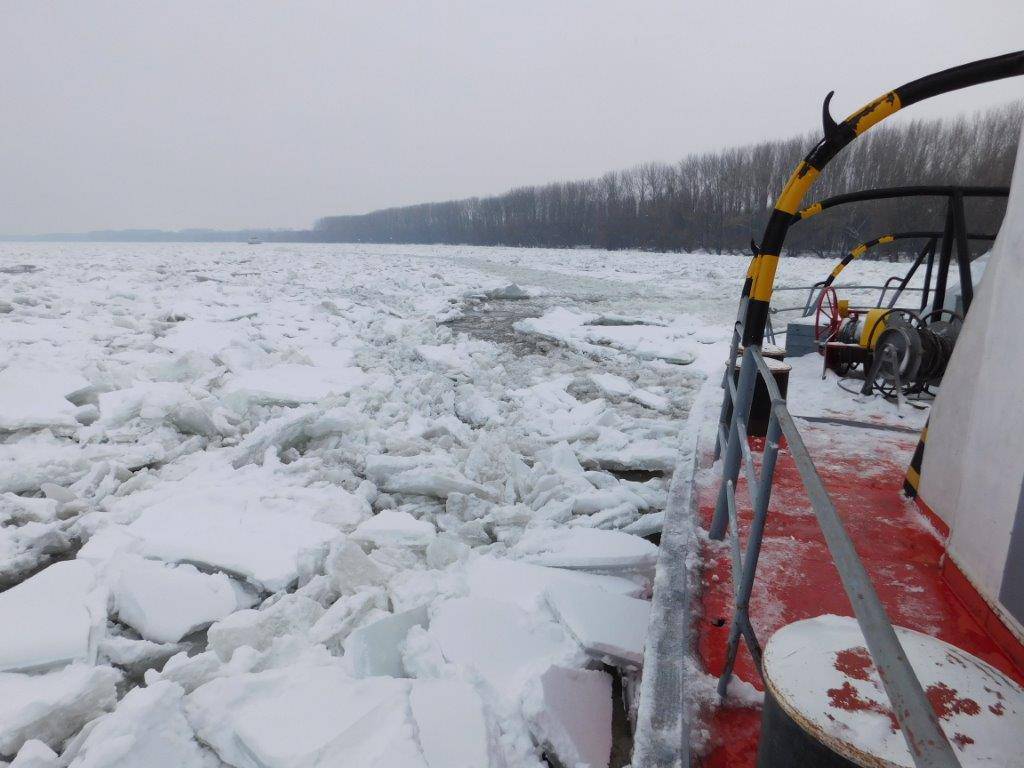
x,y
920,726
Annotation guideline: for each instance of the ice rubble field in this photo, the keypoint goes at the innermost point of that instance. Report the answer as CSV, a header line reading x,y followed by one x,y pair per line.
x,y
261,506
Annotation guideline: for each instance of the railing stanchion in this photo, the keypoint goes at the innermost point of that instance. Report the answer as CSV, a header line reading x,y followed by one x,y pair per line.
x,y
913,711
731,462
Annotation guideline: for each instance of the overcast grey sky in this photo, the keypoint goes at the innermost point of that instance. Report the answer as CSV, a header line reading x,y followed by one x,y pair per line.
x,y
217,113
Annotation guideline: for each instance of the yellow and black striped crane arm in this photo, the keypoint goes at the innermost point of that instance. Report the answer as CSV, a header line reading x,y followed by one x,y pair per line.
x,y
760,279
862,248
888,193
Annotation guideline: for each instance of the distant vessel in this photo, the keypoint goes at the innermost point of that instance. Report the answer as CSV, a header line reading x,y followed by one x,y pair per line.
x,y
254,240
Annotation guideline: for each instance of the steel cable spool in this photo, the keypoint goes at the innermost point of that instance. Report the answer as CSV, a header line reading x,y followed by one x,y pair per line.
x,y
939,336
904,341
932,357
922,349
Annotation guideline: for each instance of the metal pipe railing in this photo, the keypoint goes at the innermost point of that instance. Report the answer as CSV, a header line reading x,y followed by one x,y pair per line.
x,y
928,745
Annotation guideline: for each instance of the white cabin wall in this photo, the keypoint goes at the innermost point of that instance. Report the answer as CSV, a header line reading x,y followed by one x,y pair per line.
x,y
974,455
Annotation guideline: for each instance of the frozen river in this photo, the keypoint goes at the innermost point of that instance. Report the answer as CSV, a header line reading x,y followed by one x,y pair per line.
x,y
281,505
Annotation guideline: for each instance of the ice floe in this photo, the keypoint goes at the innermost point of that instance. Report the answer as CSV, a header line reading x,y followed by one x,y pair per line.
x,y
52,707
610,627
501,642
148,728
588,549
309,522
233,525
52,619
394,528
570,711
34,397
165,603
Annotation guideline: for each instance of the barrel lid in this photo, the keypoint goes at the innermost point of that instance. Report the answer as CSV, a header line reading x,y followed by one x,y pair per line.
x,y
769,350
821,674
771,362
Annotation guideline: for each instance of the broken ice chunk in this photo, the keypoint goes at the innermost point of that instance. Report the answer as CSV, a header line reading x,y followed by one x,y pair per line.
x,y
35,754
475,408
290,384
446,357
500,641
374,649
587,549
25,509
570,713
425,475
29,462
646,342
350,569
155,401
508,292
650,400
592,501
51,619
230,529
609,627
618,451
165,603
34,397
348,613
438,483
204,336
106,543
188,671
292,614
53,706
646,525
148,728
450,724
524,584
135,656
612,385
23,548
306,716
393,528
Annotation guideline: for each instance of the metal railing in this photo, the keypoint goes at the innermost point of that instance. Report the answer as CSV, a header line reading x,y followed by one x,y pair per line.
x,y
921,729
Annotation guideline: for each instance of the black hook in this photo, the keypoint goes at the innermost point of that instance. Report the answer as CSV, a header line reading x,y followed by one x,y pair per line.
x,y
828,123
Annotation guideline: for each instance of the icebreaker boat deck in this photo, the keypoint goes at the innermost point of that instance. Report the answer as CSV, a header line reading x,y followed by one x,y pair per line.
x,y
841,583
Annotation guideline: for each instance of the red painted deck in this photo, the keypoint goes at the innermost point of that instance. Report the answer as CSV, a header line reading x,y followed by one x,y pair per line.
x,y
796,578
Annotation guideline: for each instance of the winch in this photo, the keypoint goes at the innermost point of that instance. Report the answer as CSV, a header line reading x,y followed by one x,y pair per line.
x,y
900,350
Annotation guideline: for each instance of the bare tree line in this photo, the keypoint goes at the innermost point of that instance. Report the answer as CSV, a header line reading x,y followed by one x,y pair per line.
x,y
716,201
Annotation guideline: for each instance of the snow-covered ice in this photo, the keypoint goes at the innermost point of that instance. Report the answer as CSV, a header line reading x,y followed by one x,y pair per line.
x,y
344,461
501,642
234,525
321,717
588,549
436,704
52,707
609,626
37,397
165,603
571,712
396,528
147,728
52,619
374,649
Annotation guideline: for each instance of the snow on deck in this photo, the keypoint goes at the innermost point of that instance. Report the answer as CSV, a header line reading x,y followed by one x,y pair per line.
x,y
861,448
305,521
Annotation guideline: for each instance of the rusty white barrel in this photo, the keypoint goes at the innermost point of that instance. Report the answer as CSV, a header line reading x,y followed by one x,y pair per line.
x,y
825,704
761,404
